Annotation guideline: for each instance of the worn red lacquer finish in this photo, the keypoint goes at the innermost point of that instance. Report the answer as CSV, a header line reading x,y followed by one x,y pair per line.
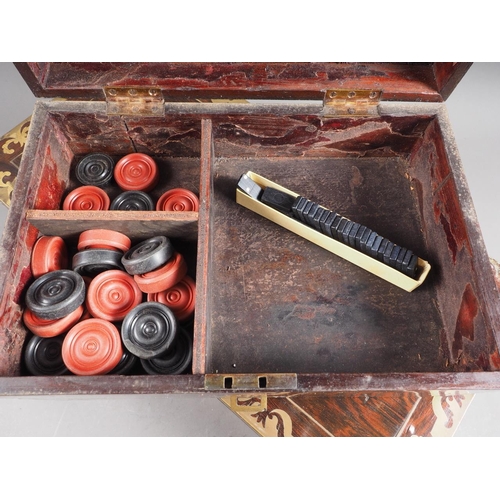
x,y
190,81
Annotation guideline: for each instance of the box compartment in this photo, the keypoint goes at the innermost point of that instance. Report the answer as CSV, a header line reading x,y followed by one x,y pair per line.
x,y
282,304
63,134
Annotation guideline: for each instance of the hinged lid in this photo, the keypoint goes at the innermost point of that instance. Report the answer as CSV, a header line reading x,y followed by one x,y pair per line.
x,y
430,82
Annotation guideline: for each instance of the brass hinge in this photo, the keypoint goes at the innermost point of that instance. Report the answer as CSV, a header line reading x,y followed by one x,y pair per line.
x,y
348,102
134,101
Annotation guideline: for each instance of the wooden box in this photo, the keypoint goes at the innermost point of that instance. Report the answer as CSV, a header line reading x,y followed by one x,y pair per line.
x,y
274,312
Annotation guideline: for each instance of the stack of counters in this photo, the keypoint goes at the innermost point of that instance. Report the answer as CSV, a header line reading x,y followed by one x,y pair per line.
x,y
100,250
54,302
155,265
56,294
136,174
47,328
106,239
86,310
164,277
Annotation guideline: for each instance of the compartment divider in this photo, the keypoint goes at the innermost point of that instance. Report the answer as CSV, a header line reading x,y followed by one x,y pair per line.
x,y
70,223
202,313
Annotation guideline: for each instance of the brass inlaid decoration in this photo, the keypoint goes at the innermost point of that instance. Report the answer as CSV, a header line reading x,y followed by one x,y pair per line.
x,y
11,150
383,414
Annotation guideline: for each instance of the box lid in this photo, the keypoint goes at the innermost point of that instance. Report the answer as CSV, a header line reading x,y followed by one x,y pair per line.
x,y
426,82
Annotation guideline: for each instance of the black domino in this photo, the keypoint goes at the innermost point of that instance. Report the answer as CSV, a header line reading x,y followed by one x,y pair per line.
x,y
411,268
346,231
365,237
388,251
352,234
323,222
298,206
317,218
283,202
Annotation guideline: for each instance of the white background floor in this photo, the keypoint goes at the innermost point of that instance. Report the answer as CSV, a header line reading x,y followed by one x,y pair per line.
x,y
473,109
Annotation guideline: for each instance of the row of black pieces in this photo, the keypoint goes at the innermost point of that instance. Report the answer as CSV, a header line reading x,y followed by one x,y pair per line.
x,y
342,229
355,235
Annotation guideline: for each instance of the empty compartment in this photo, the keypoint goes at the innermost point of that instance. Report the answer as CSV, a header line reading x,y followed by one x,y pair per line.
x,y
279,303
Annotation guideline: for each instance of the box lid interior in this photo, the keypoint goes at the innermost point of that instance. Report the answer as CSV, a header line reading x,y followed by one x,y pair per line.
x,y
426,82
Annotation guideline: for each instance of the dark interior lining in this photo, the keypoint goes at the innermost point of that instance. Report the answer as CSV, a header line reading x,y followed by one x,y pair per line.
x,y
282,304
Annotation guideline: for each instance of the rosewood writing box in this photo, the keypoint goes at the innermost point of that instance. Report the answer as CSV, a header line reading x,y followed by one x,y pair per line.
x,y
274,312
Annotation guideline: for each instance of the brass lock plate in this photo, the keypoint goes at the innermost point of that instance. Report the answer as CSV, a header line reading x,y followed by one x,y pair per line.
x,y
238,382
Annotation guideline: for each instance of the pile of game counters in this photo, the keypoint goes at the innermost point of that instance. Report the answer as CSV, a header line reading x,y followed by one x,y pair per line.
x,y
117,309
136,174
